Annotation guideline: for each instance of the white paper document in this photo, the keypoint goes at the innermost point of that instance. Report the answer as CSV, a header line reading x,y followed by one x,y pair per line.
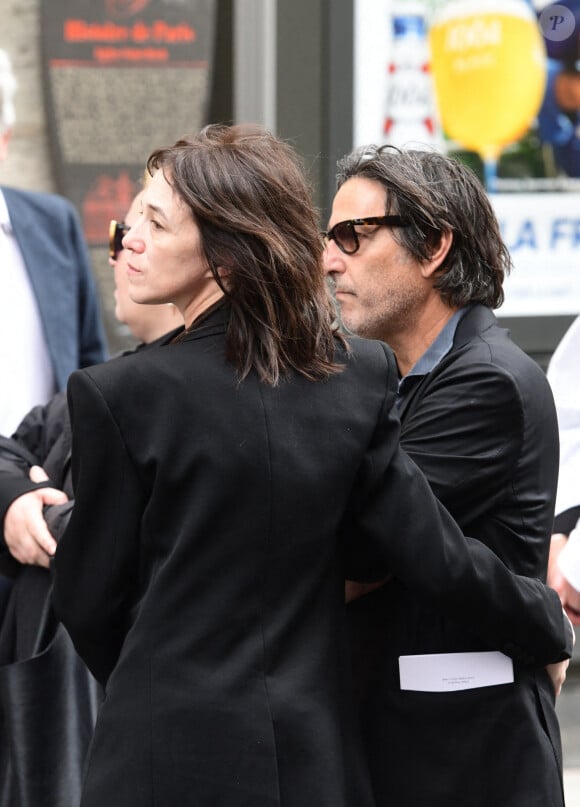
x,y
448,672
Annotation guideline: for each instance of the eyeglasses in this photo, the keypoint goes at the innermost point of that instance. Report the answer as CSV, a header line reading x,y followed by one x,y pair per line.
x,y
346,237
117,231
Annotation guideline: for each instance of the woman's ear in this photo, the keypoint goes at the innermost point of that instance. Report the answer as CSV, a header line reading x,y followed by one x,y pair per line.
x,y
224,272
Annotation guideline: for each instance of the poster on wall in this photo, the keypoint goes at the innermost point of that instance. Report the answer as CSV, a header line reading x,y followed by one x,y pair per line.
x,y
496,84
121,77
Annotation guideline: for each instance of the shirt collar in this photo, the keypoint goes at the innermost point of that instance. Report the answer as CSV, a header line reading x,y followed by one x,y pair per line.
x,y
4,215
433,355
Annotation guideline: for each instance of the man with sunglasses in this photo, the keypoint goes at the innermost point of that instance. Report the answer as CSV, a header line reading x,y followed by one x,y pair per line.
x,y
415,256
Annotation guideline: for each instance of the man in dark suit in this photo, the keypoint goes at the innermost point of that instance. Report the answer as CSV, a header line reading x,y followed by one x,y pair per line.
x,y
417,260
49,313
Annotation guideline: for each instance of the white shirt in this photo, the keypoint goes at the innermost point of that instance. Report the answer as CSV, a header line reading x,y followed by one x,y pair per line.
x,y
26,373
564,378
569,558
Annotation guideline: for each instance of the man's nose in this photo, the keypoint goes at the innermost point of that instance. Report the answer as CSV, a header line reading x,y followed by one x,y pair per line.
x,y
332,258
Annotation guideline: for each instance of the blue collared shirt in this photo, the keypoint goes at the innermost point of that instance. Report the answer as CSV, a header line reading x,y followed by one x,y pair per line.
x,y
432,356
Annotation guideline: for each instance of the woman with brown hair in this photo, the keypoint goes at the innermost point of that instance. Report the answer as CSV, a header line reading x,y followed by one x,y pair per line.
x,y
235,468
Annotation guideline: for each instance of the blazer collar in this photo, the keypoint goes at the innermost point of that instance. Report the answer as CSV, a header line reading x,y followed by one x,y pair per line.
x,y
212,321
476,320
21,215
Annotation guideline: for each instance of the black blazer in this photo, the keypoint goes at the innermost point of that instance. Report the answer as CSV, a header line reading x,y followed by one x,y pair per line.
x,y
482,427
202,573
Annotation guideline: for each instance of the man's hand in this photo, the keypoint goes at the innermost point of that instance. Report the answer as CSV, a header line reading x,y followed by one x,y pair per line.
x,y
570,599
25,531
555,577
557,673
569,596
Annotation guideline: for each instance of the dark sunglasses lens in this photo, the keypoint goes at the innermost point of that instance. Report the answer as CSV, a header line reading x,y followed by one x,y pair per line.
x,y
116,234
345,237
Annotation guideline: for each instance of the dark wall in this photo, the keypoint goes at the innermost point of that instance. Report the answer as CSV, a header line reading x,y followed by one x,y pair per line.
x,y
538,336
314,85
221,104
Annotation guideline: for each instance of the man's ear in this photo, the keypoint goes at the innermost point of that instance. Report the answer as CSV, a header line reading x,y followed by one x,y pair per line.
x,y
4,140
438,255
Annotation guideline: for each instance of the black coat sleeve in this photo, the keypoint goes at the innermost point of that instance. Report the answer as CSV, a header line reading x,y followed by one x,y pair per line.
x,y
97,560
37,438
395,521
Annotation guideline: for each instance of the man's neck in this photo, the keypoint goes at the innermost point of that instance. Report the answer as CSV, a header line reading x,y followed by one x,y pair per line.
x,y
419,334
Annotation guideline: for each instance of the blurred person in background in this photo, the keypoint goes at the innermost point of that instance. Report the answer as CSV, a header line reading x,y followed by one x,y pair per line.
x,y
50,320
564,378
565,578
48,699
559,115
49,316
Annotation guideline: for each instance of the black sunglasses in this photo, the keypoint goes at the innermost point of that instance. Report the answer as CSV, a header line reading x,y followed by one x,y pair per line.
x,y
346,237
117,231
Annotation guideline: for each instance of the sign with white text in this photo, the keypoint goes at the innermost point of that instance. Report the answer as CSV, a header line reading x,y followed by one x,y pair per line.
x,y
542,232
122,77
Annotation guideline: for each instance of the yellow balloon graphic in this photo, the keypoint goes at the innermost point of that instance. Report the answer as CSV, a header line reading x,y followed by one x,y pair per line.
x,y
489,71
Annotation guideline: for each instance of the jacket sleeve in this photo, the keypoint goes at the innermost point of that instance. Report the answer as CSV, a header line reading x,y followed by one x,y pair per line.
x,y
468,425
37,435
18,453
395,522
96,562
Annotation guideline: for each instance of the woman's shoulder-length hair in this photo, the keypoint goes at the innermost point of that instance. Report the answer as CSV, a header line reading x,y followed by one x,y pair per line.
x,y
248,193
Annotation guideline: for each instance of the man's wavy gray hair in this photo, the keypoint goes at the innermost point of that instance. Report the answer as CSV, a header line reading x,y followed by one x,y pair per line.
x,y
438,194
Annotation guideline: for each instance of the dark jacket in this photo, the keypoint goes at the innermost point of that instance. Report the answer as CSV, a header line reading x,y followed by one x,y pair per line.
x,y
42,438
206,590
482,427
48,698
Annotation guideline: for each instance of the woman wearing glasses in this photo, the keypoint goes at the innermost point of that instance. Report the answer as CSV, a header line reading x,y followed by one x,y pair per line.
x,y
238,467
